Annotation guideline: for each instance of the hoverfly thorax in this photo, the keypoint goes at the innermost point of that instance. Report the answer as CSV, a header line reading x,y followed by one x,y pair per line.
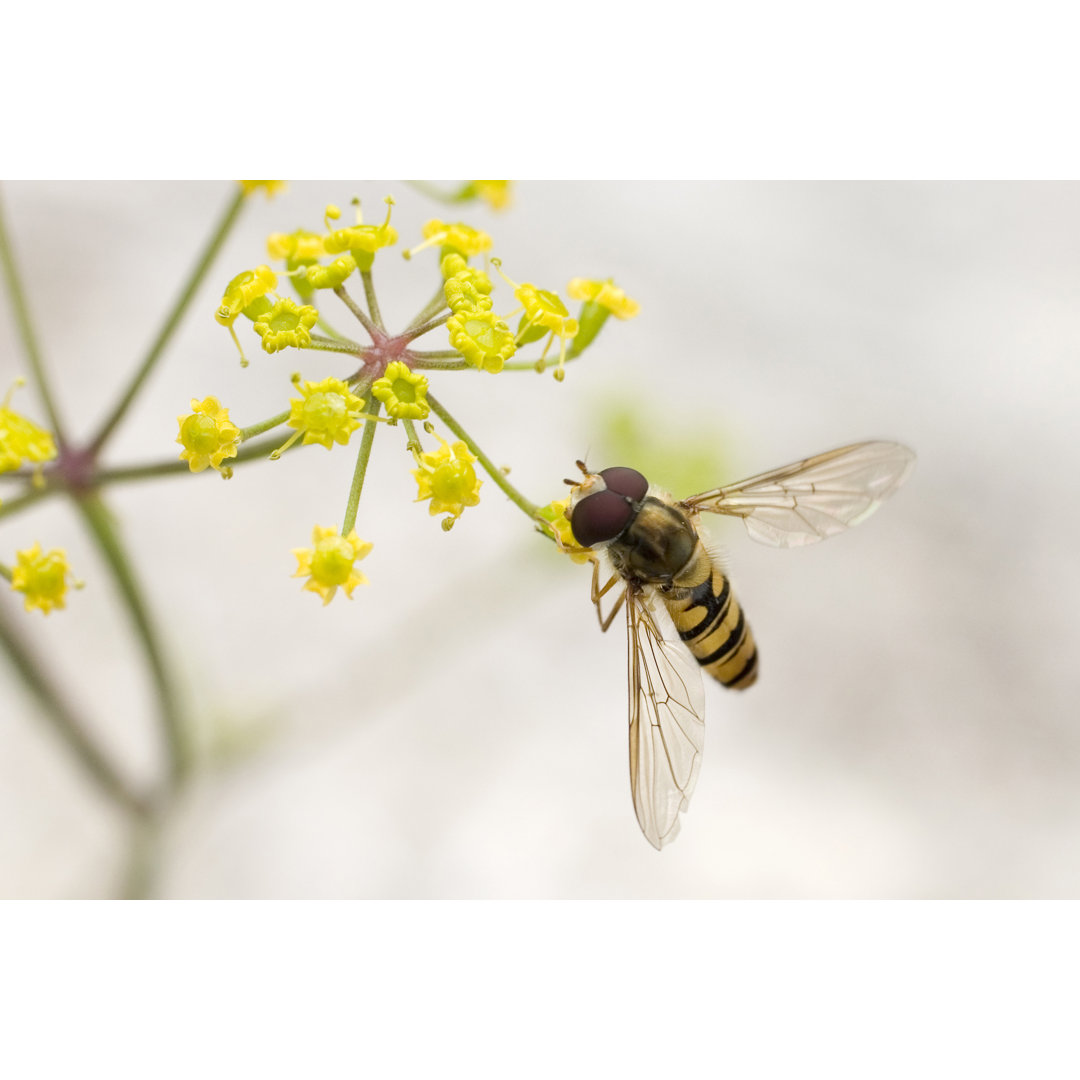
x,y
647,538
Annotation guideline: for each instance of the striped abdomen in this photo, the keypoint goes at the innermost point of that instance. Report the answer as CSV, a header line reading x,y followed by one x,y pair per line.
x,y
711,622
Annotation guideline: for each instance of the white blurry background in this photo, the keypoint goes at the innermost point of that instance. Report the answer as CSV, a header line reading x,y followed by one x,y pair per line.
x,y
459,729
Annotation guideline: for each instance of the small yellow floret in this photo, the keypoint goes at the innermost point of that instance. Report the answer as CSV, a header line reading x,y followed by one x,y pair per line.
x,y
543,311
207,436
605,293
482,338
466,288
496,193
459,236
403,392
21,440
327,412
449,480
270,187
333,274
329,565
42,578
361,240
286,325
557,526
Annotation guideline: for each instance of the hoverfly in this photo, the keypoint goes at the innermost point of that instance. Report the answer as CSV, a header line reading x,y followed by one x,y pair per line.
x,y
652,543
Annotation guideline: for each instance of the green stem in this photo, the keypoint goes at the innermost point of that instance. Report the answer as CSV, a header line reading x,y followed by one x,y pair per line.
x,y
28,498
361,470
26,329
492,470
430,309
342,345
372,303
435,354
264,425
213,246
102,526
67,724
418,331
358,311
413,445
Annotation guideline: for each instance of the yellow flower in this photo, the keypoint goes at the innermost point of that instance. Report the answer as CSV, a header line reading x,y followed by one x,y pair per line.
x,y
327,412
557,526
360,240
286,325
482,338
246,294
271,187
544,312
42,577
403,392
496,193
299,249
460,237
333,274
207,436
329,565
449,480
606,294
21,439
602,298
466,288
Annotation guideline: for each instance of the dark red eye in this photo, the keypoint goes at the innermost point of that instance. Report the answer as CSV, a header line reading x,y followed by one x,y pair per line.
x,y
628,482
600,517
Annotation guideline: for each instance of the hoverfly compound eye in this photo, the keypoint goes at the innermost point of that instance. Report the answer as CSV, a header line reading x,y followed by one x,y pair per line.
x,y
600,517
628,482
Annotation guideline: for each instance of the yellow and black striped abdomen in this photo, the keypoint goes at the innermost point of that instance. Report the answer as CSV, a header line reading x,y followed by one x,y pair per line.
x,y
711,622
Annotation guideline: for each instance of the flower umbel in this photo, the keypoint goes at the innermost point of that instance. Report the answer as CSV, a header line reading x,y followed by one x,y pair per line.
x,y
207,436
286,325
326,412
403,392
329,565
448,479
21,439
42,578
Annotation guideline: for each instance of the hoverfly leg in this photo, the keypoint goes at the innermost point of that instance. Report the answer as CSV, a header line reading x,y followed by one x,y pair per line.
x,y
597,592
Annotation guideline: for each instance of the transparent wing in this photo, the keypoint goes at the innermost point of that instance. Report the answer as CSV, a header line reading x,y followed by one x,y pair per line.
x,y
667,732
812,499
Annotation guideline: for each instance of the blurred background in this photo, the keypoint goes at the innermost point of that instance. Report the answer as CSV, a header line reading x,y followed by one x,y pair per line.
x,y
459,728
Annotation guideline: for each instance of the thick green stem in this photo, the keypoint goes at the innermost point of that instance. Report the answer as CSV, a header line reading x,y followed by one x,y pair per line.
x,y
357,310
264,425
103,528
27,498
491,469
360,471
372,302
430,309
26,329
213,246
67,724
